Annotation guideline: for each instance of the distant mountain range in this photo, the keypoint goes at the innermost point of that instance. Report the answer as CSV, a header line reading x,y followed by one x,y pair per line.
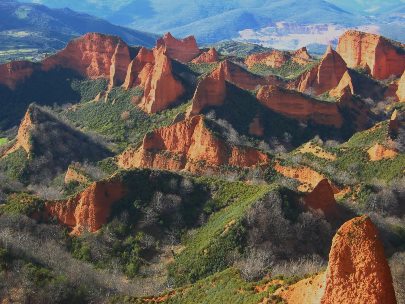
x,y
276,23
31,30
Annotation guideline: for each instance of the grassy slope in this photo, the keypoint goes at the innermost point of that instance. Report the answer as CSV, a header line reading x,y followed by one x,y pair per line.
x,y
206,250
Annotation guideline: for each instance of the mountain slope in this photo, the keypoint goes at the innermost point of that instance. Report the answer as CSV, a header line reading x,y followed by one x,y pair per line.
x,y
30,30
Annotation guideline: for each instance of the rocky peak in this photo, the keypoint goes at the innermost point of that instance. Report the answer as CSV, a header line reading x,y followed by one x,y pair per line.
x,y
183,50
325,76
119,65
211,91
358,271
189,145
90,209
92,56
209,56
139,68
301,56
162,89
381,56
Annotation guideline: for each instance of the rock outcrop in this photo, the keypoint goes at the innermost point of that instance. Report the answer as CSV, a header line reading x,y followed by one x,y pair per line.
x,y
240,77
162,89
299,106
209,56
375,53
92,56
183,50
15,72
379,152
306,291
75,175
324,76
345,86
401,88
119,65
139,69
90,209
307,177
189,145
322,199
211,91
23,139
276,58
358,271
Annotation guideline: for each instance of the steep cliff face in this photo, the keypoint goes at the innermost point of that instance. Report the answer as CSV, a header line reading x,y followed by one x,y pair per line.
x,y
211,91
240,77
15,72
322,199
209,56
162,89
325,76
90,209
276,58
401,88
358,271
345,86
376,53
119,65
23,139
191,146
139,69
299,106
183,50
92,56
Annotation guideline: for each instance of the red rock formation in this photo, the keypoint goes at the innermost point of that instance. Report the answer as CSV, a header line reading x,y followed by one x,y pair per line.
x,y
119,65
322,199
345,85
276,58
325,76
379,152
207,57
373,52
23,139
211,91
299,106
15,72
241,77
401,88
301,56
183,50
358,271
162,89
92,56
191,146
139,69
90,209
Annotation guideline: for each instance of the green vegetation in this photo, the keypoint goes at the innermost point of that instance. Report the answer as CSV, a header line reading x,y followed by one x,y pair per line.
x,y
3,141
239,49
89,89
223,287
202,68
120,121
289,70
14,165
22,203
206,250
